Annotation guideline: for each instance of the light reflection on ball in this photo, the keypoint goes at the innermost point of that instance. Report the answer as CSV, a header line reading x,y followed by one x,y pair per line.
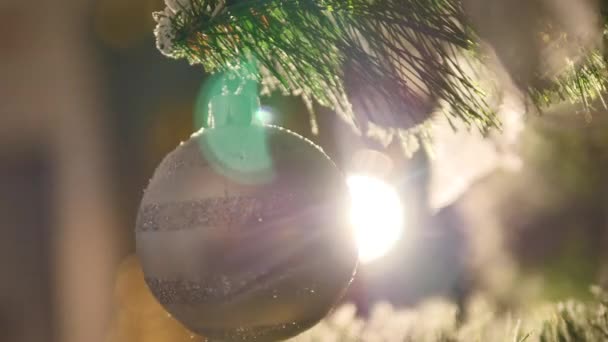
x,y
264,116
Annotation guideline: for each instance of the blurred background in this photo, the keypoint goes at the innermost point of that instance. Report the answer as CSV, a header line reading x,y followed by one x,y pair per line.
x,y
89,107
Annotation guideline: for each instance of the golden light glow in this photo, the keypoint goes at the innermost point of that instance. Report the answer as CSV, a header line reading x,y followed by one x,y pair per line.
x,y
376,216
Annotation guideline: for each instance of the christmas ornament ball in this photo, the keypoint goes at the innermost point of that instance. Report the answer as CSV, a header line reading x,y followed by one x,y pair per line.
x,y
243,234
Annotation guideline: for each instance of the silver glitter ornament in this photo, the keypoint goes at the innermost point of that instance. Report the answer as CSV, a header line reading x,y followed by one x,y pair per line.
x,y
243,233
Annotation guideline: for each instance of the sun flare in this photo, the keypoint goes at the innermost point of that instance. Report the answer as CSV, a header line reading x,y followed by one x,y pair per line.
x,y
376,216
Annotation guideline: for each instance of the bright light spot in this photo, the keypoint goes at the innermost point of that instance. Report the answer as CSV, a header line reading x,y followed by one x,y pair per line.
x,y
376,215
263,116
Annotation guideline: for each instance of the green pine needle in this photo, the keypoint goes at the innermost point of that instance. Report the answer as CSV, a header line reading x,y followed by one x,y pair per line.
x,y
415,47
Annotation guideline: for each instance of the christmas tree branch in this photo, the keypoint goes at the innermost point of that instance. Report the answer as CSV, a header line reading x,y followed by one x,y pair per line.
x,y
305,44
410,50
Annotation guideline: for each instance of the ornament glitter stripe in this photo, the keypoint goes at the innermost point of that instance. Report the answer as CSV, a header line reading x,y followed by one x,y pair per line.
x,y
187,291
220,288
211,212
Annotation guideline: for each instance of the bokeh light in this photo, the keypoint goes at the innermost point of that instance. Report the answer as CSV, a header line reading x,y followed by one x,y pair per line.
x,y
376,216
264,116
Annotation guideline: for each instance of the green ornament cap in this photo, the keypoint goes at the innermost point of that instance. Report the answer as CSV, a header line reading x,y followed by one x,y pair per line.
x,y
229,100
232,109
